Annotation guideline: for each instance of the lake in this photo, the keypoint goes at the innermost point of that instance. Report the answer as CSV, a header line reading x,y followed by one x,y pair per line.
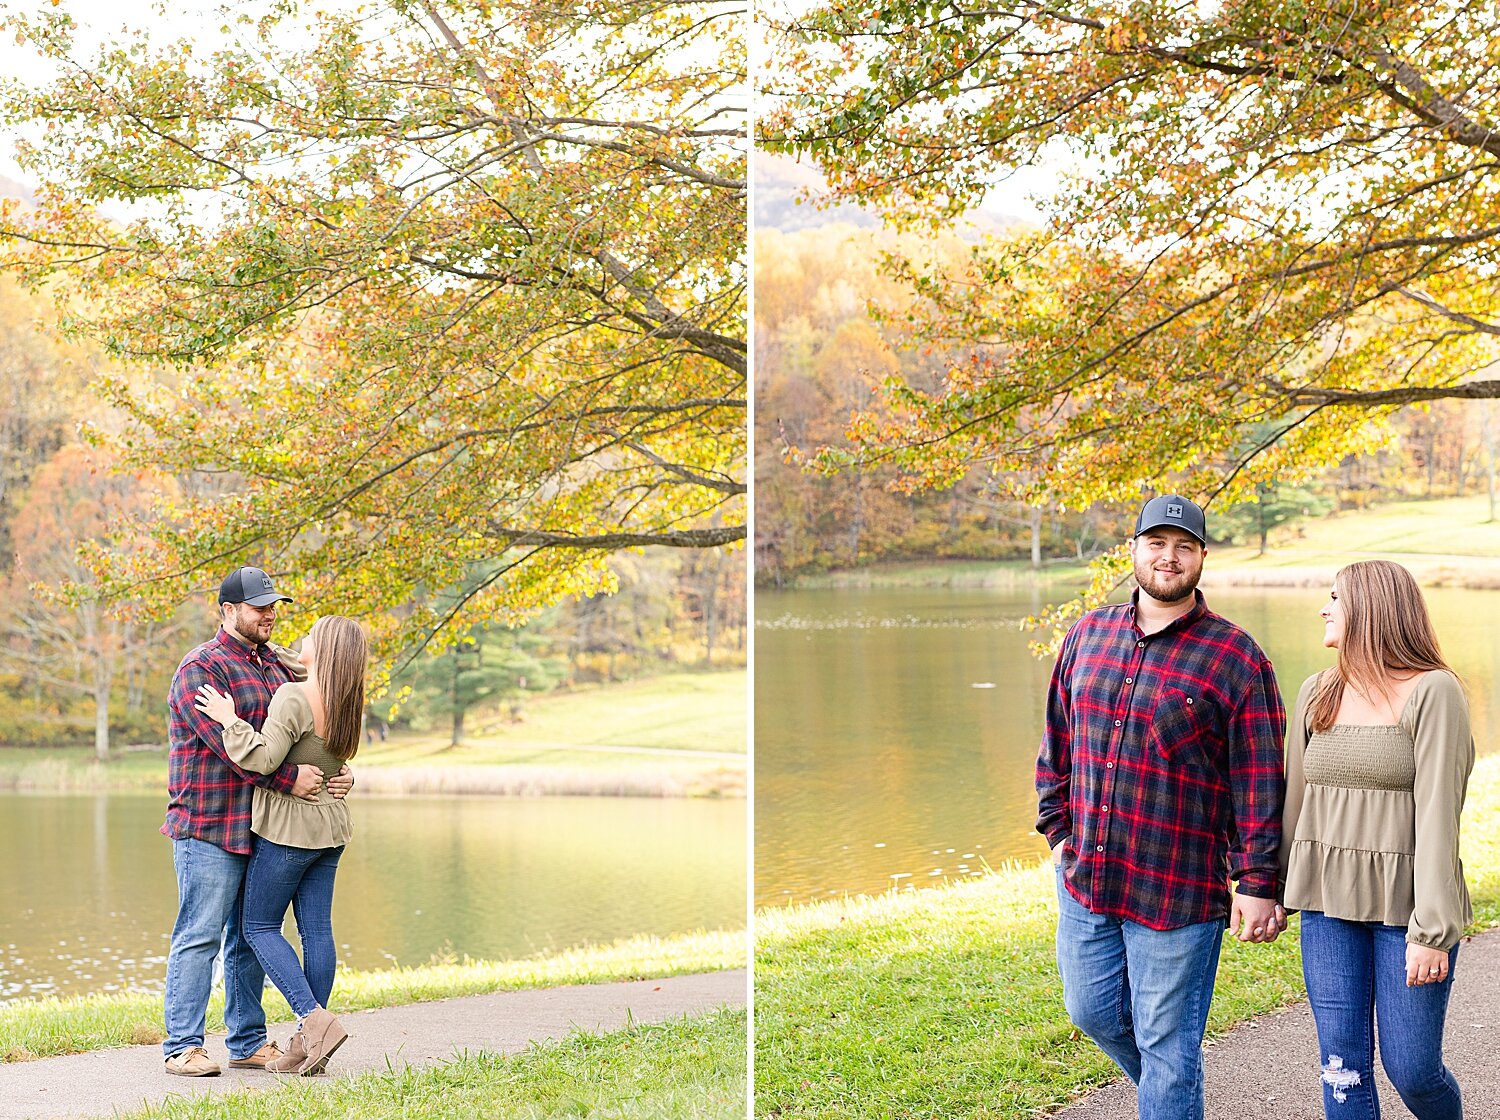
x,y
90,893
896,729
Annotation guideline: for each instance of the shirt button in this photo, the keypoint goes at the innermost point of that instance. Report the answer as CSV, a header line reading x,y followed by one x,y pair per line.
x,y
1140,645
1129,680
1100,848
1109,765
1104,808
1190,699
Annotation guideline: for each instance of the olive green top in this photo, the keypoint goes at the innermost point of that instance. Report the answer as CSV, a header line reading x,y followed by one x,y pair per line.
x,y
1370,828
288,736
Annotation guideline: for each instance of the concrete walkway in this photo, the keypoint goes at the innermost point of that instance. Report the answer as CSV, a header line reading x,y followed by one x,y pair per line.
x,y
1270,1067
99,1083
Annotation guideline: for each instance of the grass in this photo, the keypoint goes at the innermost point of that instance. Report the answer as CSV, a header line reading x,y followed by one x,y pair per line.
x,y
945,1001
1446,542
681,734
690,1069
46,1027
947,573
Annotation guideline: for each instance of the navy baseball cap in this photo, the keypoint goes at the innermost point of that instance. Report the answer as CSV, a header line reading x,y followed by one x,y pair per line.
x,y
251,586
1174,511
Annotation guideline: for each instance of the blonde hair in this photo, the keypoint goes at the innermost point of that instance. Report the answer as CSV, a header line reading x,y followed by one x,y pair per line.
x,y
1386,628
342,654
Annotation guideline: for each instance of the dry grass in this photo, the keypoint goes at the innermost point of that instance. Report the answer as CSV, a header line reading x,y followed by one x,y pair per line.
x,y
686,780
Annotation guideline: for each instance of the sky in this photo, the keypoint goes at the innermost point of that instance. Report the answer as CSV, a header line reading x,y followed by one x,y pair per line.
x,y
99,22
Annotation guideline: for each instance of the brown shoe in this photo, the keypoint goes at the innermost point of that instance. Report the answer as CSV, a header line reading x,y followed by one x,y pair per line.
x,y
321,1035
193,1063
292,1060
258,1060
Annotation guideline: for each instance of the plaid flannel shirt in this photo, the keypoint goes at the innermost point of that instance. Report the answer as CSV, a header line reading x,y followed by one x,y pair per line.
x,y
210,796
1161,766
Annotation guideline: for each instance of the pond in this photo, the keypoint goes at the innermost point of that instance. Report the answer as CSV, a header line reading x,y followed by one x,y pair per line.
x,y
896,730
90,894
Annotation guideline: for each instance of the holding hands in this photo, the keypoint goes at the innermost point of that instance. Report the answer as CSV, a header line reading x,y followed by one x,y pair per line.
x,y
1259,920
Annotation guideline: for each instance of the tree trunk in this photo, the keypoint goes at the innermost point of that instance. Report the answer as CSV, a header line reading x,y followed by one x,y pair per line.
x,y
1036,539
458,711
710,606
102,677
1487,434
857,525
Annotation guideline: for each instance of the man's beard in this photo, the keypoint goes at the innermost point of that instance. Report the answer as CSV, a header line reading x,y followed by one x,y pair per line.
x,y
249,630
1165,587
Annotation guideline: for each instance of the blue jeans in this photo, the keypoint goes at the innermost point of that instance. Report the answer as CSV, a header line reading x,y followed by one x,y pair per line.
x,y
1356,977
210,897
1142,995
303,878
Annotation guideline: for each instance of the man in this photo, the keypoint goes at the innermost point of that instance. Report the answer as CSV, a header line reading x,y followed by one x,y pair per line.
x,y
208,819
1159,779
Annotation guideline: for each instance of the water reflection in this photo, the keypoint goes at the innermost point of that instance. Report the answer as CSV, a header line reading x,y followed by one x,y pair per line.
x,y
90,893
896,730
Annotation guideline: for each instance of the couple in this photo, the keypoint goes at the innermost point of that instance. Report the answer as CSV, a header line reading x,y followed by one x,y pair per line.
x,y
1161,777
254,731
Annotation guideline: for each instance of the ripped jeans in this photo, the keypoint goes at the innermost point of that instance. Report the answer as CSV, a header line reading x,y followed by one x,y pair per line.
x,y
1356,979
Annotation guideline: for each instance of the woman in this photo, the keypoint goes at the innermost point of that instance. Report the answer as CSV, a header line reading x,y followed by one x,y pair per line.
x,y
298,843
1378,758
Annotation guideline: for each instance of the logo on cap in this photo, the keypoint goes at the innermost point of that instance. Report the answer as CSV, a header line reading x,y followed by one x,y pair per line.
x,y
265,580
1172,511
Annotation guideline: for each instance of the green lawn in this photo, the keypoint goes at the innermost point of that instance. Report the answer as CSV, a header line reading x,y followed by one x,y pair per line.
x,y
666,735
945,1001
1445,541
691,1069
45,1027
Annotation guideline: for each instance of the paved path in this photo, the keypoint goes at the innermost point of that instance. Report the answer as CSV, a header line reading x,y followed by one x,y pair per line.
x,y
419,1034
1270,1067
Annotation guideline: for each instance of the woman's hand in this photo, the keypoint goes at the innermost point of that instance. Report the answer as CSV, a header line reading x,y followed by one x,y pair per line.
x,y
1425,966
215,705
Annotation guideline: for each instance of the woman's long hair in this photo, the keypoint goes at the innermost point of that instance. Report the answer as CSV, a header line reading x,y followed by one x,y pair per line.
x,y
1386,629
342,655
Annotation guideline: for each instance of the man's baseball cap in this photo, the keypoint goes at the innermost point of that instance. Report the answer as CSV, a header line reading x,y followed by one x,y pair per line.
x,y
251,586
1171,510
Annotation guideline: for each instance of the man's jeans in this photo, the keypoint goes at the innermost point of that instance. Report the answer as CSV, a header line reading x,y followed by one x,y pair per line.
x,y
303,877
210,900
1142,995
1356,976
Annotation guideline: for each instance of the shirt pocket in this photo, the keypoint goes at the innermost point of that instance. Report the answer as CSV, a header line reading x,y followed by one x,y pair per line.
x,y
1183,728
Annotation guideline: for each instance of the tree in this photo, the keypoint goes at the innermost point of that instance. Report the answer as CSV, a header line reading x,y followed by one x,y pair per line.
x,y
423,285
484,667
39,389
1276,213
71,641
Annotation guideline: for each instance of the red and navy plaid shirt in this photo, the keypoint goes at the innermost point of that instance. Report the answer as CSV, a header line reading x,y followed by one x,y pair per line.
x,y
210,796
1161,766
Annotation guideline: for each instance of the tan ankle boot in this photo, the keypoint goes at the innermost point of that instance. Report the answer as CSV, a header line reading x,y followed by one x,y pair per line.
x,y
292,1060
322,1035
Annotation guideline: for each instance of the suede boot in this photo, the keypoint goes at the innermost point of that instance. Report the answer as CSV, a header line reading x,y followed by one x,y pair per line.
x,y
322,1035
292,1060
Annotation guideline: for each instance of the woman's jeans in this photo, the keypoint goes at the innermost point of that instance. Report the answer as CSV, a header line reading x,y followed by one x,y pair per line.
x,y
1142,995
1356,978
303,877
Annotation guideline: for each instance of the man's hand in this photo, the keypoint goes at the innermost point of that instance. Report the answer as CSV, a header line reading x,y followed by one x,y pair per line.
x,y
1425,966
341,783
1057,852
1259,920
309,781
